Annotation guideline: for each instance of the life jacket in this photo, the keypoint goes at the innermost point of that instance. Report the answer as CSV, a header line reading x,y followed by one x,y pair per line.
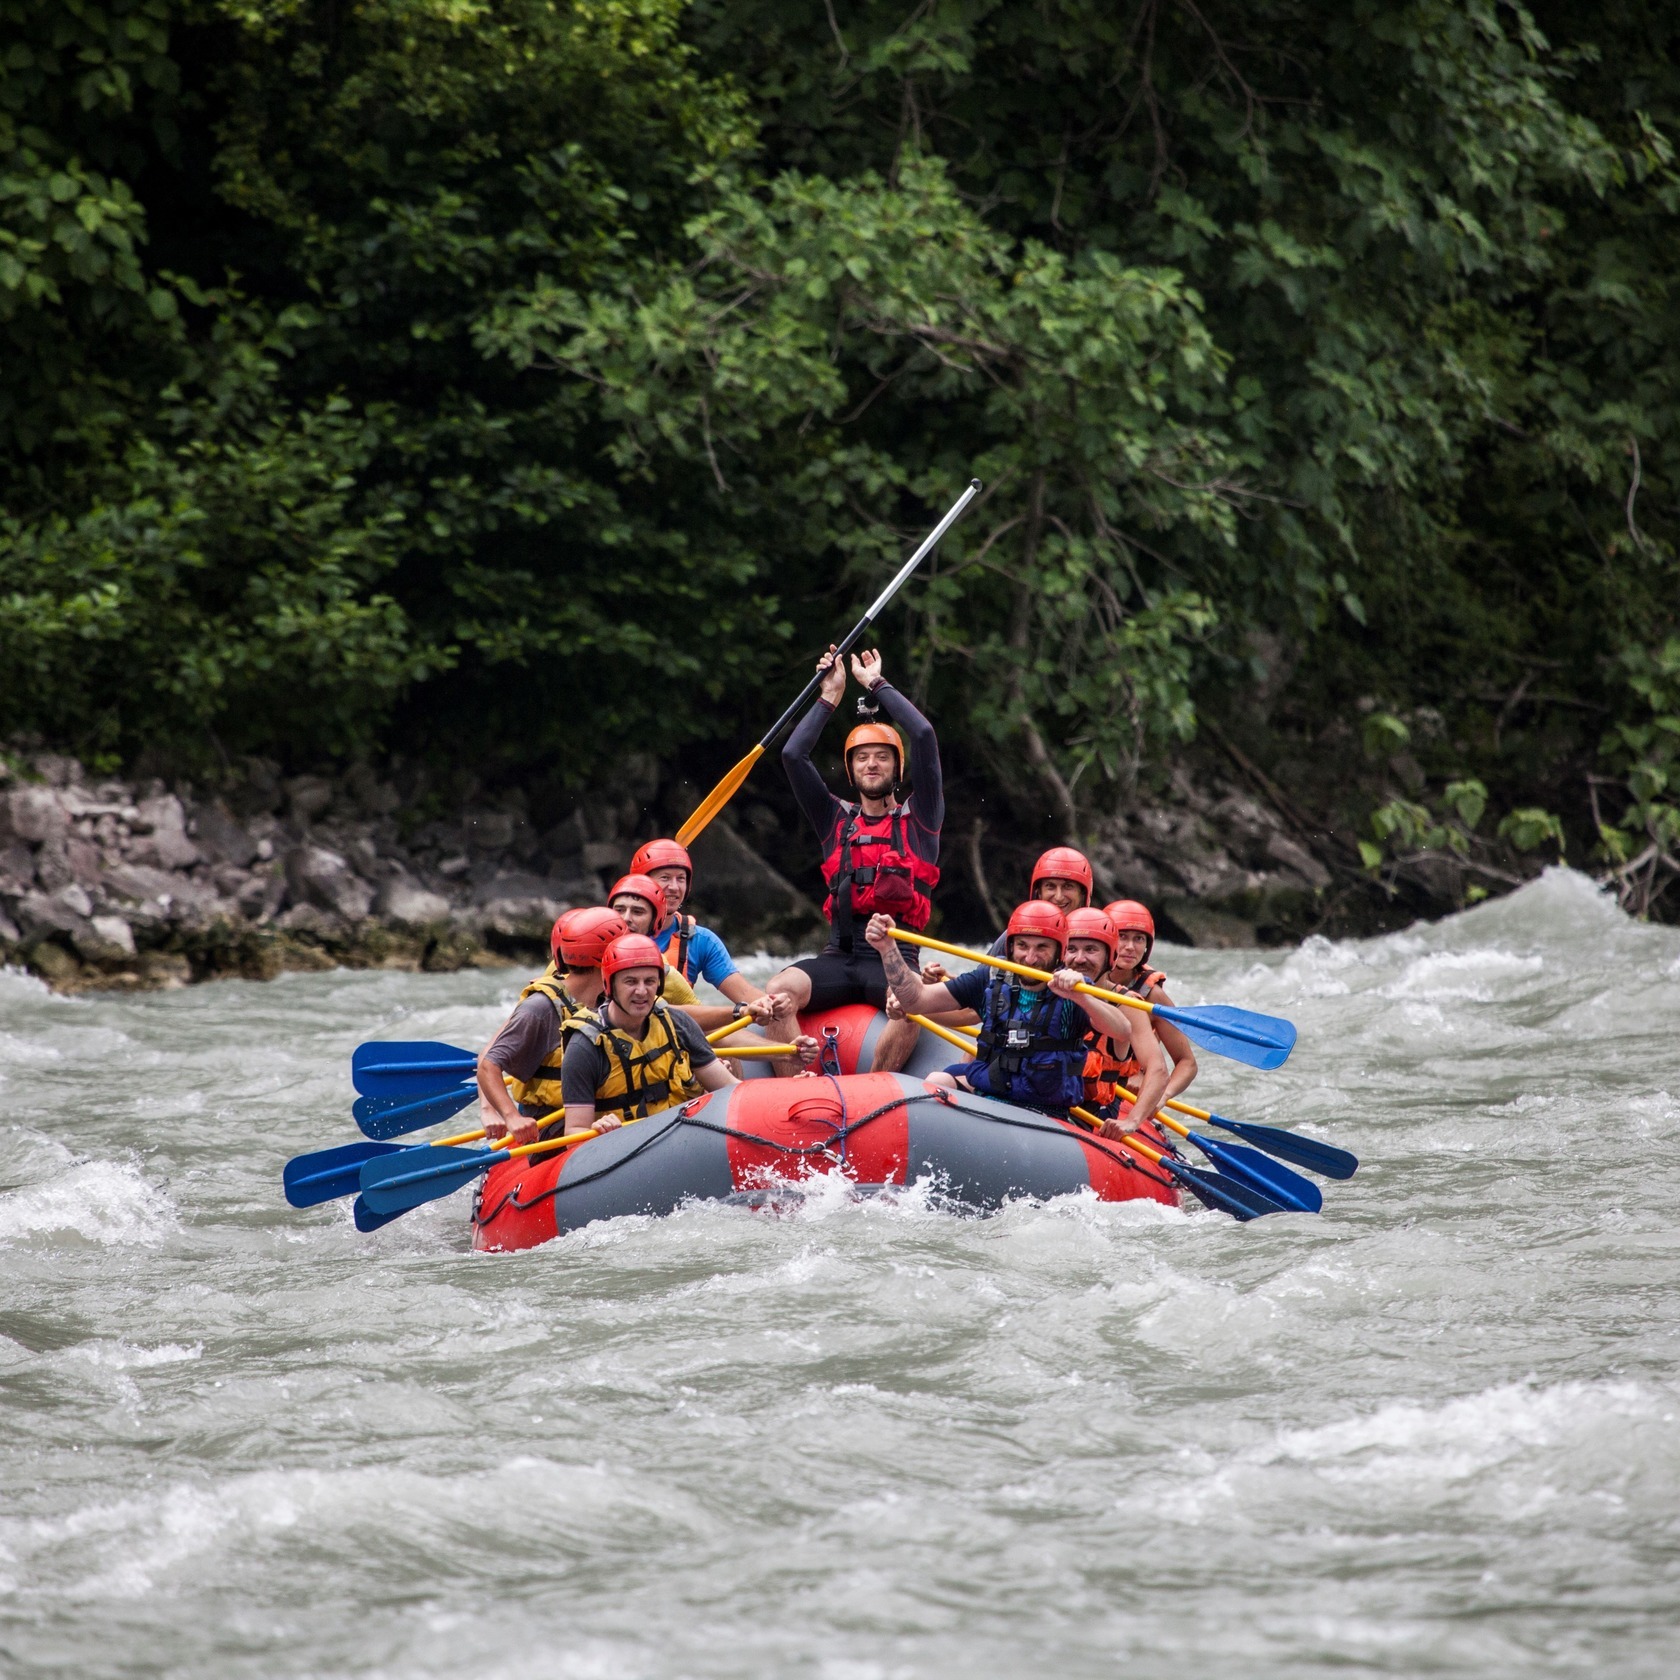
x,y
676,953
1031,1047
1108,1063
541,1092
644,1075
869,868
674,988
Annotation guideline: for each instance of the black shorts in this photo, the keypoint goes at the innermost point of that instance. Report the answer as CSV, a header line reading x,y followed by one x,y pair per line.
x,y
838,978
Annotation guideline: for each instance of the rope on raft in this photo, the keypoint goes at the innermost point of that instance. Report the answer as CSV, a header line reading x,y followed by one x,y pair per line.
x,y
842,1132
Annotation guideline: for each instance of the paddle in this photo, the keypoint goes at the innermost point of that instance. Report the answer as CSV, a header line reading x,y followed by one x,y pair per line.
x,y
725,790
1262,1041
1305,1152
1279,1193
325,1174
408,1068
392,1187
1228,1195
389,1117
1246,1165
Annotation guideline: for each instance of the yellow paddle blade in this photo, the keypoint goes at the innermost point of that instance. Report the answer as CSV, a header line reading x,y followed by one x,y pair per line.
x,y
718,797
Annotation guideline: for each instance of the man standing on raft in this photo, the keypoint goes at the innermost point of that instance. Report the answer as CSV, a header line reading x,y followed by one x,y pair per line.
x,y
879,856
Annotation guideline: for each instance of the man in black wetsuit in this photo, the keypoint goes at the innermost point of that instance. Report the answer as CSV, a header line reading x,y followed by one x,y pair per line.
x,y
878,855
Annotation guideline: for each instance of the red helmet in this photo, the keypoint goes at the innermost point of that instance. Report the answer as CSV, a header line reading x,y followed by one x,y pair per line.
x,y
581,936
1087,922
661,854
1063,863
642,886
1128,916
630,950
875,735
1042,920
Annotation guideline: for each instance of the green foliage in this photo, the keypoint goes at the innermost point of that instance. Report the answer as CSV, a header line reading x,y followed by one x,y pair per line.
x,y
419,369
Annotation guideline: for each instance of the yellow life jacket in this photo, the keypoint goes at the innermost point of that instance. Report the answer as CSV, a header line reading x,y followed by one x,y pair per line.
x,y
644,1075
541,1092
674,988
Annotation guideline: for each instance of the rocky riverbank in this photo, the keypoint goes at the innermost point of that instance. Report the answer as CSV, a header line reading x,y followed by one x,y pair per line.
x,y
107,883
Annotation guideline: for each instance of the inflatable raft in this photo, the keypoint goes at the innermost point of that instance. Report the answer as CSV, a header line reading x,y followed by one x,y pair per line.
x,y
876,1129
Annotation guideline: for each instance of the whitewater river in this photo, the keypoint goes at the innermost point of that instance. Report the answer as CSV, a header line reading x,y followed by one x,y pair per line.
x,y
1434,1431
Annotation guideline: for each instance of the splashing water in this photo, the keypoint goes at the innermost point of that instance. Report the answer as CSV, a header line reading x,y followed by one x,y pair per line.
x,y
1432,1431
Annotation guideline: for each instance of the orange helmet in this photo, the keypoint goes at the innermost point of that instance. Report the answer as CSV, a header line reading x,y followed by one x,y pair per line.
x,y
661,854
581,937
874,735
1039,919
1090,923
630,950
642,886
1128,916
1063,863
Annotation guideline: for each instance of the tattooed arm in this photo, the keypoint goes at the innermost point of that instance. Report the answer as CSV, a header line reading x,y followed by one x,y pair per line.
x,y
911,990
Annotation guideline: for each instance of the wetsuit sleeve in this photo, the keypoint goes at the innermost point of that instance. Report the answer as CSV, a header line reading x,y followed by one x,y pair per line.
x,y
528,1039
583,1071
968,991
710,956
819,805
700,1053
928,801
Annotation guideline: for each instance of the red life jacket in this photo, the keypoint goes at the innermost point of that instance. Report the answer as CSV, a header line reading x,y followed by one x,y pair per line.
x,y
870,868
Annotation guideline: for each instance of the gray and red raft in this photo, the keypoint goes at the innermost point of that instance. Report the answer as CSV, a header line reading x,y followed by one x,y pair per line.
x,y
879,1130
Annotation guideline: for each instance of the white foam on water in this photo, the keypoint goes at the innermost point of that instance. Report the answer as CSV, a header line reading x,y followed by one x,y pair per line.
x,y
105,1202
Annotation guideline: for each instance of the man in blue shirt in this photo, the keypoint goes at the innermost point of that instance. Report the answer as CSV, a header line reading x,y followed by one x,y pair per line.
x,y
694,951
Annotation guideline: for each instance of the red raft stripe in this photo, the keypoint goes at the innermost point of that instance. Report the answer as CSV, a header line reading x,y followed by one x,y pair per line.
x,y
856,1023
1114,1182
509,1227
795,1115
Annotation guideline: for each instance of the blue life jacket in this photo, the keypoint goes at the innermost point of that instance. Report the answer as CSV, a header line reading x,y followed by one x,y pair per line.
x,y
1032,1047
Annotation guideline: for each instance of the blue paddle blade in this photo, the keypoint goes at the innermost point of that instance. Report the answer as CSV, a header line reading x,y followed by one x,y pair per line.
x,y
326,1173
1262,1041
368,1220
1270,1178
1305,1152
409,1068
387,1117
424,1174
1226,1194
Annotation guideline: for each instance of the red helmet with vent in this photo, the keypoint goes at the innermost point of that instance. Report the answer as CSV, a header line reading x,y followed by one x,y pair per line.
x,y
1091,923
1063,863
642,886
661,854
581,937
1039,920
630,950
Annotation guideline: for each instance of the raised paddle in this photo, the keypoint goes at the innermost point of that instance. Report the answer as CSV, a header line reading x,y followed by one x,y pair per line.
x,y
725,790
1246,1165
1262,1041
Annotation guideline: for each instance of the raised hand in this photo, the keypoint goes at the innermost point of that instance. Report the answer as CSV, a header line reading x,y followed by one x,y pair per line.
x,y
879,933
834,675
866,667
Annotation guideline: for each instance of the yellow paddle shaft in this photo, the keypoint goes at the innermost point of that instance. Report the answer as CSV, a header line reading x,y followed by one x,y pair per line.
x,y
950,1035
762,1050
1018,968
719,1034
718,797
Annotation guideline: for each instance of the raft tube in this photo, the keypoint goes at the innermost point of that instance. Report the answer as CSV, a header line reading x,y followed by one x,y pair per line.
x,y
741,1143
857,1029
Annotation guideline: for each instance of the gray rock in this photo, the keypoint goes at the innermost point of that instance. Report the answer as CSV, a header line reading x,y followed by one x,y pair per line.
x,y
41,915
52,866
10,933
222,837
87,862
608,855
528,920
734,882
163,842
488,831
375,797
566,839
315,923
105,939
512,884
404,901
35,814
308,796
1292,855
17,867
326,880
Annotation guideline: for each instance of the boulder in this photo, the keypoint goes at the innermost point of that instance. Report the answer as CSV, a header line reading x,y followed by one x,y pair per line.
x,y
308,796
17,867
759,903
326,880
35,814
521,920
1294,856
41,915
222,837
104,940
162,842
404,901
52,866
311,921
488,831
10,932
